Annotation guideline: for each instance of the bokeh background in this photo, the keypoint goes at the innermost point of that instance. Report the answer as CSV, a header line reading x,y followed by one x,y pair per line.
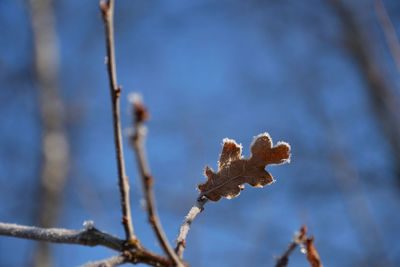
x,y
321,75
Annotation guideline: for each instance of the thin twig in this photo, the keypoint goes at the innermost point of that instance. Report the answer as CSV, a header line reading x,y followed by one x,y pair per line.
x,y
384,101
299,238
185,227
107,9
137,141
389,31
109,262
90,236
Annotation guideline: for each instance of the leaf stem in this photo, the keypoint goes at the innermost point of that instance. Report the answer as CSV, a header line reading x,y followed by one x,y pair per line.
x,y
197,208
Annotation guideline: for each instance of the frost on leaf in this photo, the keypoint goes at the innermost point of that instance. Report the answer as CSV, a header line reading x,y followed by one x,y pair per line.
x,y
234,170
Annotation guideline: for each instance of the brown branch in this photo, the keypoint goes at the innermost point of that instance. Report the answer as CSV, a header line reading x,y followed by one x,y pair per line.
x,y
107,9
90,236
298,239
137,141
185,227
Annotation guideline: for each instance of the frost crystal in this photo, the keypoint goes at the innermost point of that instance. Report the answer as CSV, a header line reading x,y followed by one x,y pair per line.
x,y
143,204
135,98
88,224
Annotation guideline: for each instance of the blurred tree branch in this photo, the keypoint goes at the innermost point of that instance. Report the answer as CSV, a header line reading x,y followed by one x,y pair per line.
x,y
132,249
389,31
385,102
55,147
346,177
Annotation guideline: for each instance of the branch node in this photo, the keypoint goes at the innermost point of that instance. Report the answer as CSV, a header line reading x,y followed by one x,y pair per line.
x,y
140,112
118,91
183,243
133,243
104,7
149,180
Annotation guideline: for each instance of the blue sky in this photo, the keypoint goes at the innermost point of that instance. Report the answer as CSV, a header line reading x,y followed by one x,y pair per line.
x,y
207,71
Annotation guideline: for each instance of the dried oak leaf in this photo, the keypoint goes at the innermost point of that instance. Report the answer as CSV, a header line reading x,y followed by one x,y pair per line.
x,y
234,170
